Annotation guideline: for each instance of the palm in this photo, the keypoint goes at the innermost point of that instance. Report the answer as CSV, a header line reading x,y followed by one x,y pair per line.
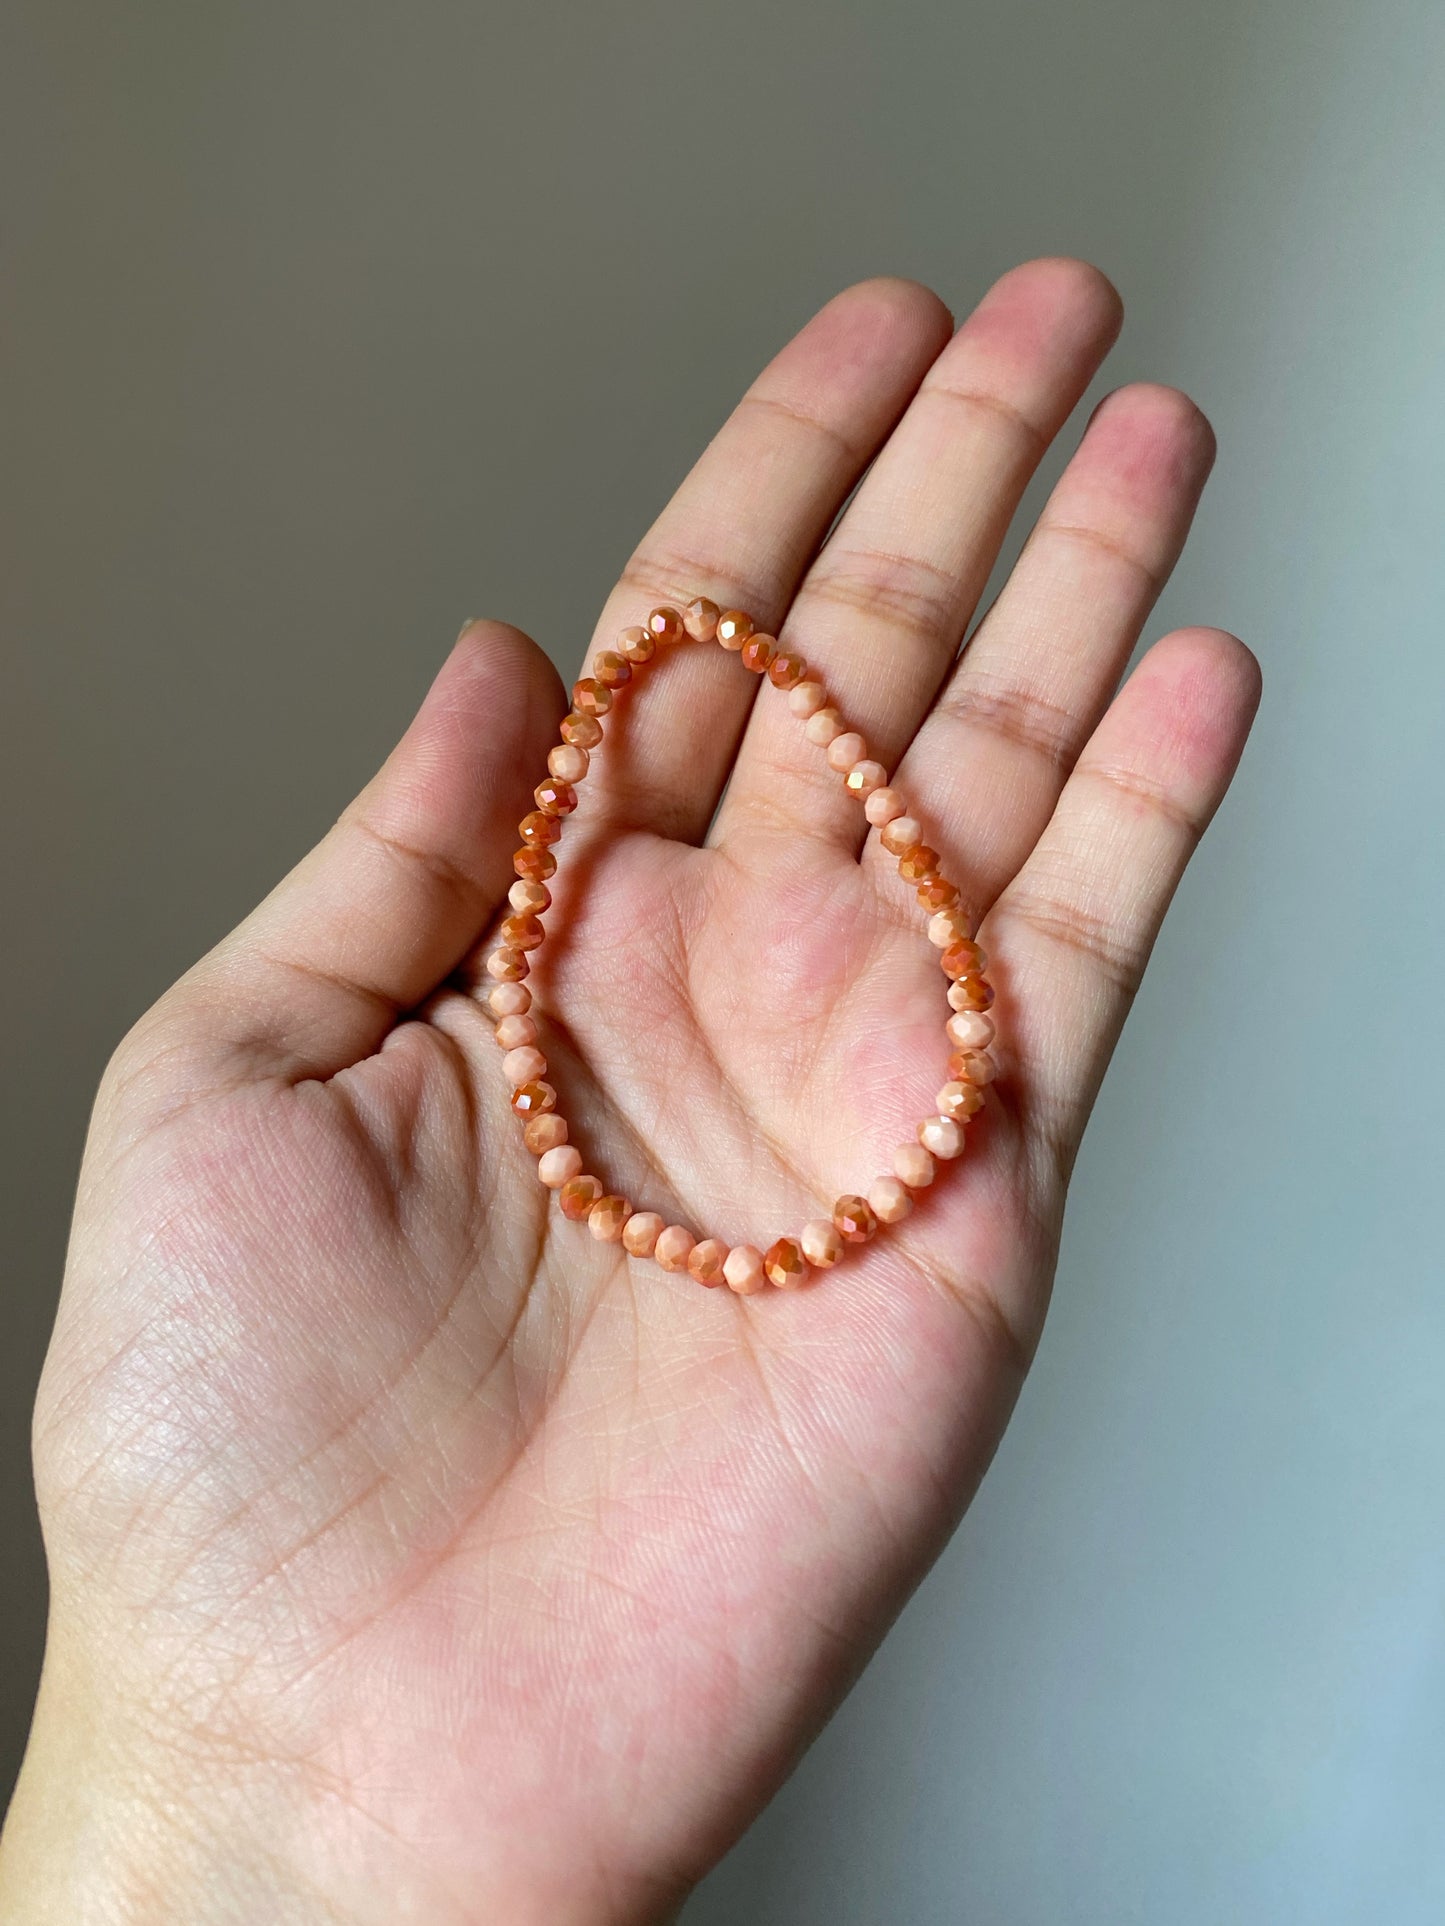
x,y
422,1487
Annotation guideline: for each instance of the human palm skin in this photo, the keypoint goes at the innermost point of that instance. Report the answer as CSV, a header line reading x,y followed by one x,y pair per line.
x,y
417,1558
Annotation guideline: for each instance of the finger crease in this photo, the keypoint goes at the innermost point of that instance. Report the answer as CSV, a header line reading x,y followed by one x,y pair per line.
x,y
1075,929
440,868
772,404
995,405
1128,782
1028,721
1105,545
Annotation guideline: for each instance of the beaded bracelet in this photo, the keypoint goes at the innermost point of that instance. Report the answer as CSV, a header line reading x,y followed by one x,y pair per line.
x,y
610,1217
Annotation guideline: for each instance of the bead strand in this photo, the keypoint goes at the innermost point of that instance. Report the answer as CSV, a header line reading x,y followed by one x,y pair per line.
x,y
823,1241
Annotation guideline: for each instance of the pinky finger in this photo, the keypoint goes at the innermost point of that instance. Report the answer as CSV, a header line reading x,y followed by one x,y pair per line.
x,y
1072,933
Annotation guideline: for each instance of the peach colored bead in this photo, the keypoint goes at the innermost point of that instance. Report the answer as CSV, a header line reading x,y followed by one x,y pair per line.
x,y
527,898
514,1031
526,1064
673,1247
640,1232
568,762
970,1029
805,699
941,1136
883,806
507,966
577,1196
589,698
889,1199
665,627
559,1165
822,1242
519,933
856,1222
846,749
538,830
733,628
823,725
785,1264
786,670
757,652
544,1132
937,893
607,1217
530,1098
509,999
865,778
743,1270
705,1261
554,797
637,645
583,732
534,862
699,618
959,1100
971,1066
903,833
914,1165
947,927
612,670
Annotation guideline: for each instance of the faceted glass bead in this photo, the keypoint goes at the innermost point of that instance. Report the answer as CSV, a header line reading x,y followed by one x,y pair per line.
x,y
578,1195
706,1261
937,894
612,669
665,626
528,898
534,864
673,1247
567,762
959,1100
976,993
641,1231
786,670
785,1264
901,835
961,958
758,653
918,864
821,1242
699,618
545,1132
584,732
507,966
607,1217
537,827
734,628
510,999
520,933
530,1099
855,1220
589,698
555,798
637,645
865,777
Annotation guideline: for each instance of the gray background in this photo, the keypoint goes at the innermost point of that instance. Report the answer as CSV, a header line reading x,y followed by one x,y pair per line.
x,y
327,325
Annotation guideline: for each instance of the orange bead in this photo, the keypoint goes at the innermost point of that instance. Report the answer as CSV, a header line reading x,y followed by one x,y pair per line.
x,y
970,1066
612,669
507,966
583,732
705,1261
918,864
534,865
589,698
733,628
855,1219
700,619
578,1195
544,1132
899,835
975,993
637,645
554,797
937,894
758,653
786,670
665,626
606,1218
530,1099
537,827
520,933
673,1247
961,958
528,898
785,1264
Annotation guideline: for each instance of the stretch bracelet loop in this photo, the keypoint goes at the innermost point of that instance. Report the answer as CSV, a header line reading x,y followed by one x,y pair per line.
x,y
582,1197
